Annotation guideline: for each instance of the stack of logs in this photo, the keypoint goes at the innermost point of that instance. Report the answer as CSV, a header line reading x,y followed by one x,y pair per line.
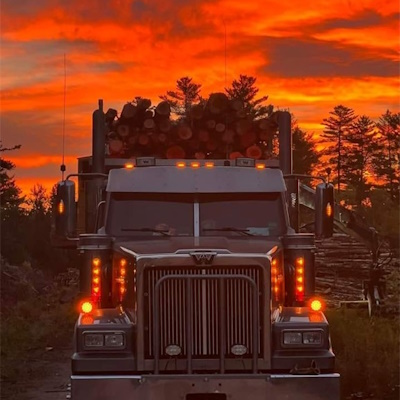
x,y
218,128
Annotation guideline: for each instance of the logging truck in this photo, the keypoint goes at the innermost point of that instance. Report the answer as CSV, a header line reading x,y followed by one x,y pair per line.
x,y
195,282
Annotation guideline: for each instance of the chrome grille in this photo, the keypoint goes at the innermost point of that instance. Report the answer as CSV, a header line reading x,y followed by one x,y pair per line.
x,y
205,318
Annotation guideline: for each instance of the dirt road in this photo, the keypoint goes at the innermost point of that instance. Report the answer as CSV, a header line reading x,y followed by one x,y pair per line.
x,y
49,378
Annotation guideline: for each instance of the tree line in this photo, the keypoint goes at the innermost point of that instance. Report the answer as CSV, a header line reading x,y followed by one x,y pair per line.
x,y
362,155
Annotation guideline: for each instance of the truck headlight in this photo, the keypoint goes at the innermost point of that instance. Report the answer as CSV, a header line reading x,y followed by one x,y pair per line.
x,y
94,340
104,340
312,338
307,338
292,338
114,340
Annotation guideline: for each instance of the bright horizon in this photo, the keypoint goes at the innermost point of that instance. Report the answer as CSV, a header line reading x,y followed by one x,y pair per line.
x,y
306,60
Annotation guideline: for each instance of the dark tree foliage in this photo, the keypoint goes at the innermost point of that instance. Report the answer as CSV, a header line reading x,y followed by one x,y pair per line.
x,y
361,145
245,89
305,155
13,230
386,160
187,93
337,127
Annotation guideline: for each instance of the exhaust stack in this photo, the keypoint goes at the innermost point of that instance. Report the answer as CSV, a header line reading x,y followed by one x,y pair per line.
x,y
285,142
98,140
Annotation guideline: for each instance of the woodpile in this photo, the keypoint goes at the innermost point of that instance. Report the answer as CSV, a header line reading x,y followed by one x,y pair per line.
x,y
217,128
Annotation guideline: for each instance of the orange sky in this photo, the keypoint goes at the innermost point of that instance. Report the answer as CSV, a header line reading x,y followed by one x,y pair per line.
x,y
306,59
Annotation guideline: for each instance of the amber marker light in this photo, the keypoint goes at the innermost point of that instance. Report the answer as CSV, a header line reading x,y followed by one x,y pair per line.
x,y
61,207
180,164
329,210
129,166
260,166
86,307
195,164
209,165
96,262
316,305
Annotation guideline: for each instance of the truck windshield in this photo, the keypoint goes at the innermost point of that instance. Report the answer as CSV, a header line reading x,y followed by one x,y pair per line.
x,y
150,214
219,214
237,214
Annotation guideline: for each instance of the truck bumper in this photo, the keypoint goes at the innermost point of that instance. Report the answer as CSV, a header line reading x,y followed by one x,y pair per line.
x,y
188,387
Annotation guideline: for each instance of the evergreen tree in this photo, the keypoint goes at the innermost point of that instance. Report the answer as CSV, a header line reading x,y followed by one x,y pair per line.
x,y
336,128
305,156
361,145
187,93
13,231
386,161
245,90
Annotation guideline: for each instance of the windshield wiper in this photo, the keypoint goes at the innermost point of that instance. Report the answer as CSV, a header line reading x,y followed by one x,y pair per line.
x,y
230,229
164,232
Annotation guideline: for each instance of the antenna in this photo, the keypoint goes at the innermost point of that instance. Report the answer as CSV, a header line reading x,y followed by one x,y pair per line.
x,y
62,167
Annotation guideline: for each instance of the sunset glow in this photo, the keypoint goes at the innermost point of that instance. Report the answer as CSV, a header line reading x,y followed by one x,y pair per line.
x,y
306,58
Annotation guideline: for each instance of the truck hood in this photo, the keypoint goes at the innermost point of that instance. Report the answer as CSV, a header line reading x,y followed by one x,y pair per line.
x,y
175,244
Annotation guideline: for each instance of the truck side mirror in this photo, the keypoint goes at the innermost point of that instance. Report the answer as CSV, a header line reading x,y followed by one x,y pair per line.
x,y
65,210
324,210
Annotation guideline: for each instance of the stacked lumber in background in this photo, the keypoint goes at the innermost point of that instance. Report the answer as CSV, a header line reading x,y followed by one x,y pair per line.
x,y
217,128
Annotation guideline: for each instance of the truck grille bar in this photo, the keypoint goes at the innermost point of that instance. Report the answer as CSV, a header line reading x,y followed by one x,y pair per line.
x,y
203,312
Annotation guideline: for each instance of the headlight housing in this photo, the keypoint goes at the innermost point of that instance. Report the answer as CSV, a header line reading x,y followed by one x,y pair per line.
x,y
104,340
302,338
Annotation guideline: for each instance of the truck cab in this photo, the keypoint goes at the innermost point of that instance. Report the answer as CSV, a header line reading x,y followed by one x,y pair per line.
x,y
195,284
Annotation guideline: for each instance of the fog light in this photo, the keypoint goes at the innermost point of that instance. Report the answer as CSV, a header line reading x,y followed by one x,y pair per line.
x,y
239,349
312,338
173,350
94,340
114,340
292,338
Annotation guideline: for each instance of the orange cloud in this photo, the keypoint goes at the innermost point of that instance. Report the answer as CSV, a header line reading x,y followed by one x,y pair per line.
x,y
307,59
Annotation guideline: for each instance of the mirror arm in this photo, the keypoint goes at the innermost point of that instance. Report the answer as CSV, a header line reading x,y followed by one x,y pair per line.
x,y
88,174
299,176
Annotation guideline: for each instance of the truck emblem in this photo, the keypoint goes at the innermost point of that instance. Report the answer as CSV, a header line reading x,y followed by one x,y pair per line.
x,y
203,258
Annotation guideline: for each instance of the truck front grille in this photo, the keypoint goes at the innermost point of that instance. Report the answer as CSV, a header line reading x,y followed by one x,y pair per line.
x,y
205,318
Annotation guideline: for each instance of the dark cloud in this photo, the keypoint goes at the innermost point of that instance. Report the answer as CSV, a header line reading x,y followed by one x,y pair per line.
x,y
24,7
366,19
292,57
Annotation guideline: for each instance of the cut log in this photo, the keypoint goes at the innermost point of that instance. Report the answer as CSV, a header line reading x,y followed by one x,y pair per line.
x,y
163,109
234,155
199,155
236,104
143,139
164,125
211,145
110,115
123,130
115,146
254,151
220,127
210,124
184,132
175,152
149,114
248,139
162,137
217,103
144,104
243,126
149,123
129,111
228,136
203,135
132,140
196,111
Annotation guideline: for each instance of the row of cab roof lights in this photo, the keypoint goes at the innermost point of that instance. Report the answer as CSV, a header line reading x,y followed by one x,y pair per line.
x,y
239,162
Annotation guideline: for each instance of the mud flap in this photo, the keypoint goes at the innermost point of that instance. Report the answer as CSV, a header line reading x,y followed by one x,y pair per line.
x,y
232,387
